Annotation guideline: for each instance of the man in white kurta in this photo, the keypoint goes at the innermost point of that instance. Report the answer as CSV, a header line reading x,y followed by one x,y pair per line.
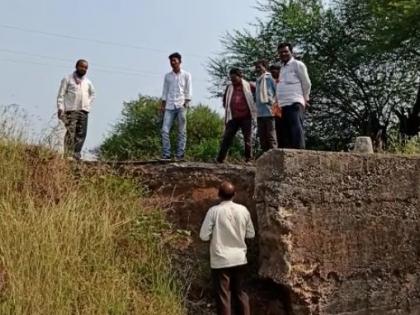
x,y
226,226
74,101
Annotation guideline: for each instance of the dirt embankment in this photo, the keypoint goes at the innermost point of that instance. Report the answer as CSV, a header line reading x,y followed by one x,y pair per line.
x,y
338,233
188,190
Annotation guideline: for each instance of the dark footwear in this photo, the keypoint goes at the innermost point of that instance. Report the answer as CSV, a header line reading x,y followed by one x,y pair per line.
x,y
77,156
249,161
165,158
180,158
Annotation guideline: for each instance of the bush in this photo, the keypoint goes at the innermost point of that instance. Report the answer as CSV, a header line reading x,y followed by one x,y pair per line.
x,y
138,134
204,131
404,146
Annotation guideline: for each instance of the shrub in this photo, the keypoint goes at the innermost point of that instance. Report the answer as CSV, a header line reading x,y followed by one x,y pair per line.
x,y
138,133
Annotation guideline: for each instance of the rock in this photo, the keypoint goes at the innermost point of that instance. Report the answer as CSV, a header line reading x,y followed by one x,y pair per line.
x,y
344,238
363,145
3,280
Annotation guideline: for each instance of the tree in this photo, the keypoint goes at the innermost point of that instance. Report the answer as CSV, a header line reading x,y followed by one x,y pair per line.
x,y
287,21
365,85
399,30
358,88
137,134
398,24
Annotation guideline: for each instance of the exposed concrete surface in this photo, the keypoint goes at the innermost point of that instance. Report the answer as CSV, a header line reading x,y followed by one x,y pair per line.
x,y
341,231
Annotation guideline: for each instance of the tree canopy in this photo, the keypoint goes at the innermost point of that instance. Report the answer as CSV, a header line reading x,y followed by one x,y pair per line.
x,y
362,59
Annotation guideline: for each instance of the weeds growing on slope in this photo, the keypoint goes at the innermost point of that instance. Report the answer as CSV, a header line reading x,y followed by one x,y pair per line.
x,y
78,244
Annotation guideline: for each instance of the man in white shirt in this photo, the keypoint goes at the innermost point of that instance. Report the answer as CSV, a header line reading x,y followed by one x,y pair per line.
x,y
74,100
293,95
226,226
176,97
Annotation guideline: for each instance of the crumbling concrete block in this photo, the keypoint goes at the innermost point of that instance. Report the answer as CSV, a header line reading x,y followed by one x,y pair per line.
x,y
341,231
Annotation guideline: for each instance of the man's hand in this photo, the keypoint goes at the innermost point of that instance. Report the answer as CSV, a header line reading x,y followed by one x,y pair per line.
x,y
162,106
187,103
60,113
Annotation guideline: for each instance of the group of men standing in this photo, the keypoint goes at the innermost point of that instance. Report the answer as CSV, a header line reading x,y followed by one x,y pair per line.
x,y
276,101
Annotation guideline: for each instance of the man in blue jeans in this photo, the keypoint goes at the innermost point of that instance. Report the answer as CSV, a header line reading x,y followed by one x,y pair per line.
x,y
293,92
176,97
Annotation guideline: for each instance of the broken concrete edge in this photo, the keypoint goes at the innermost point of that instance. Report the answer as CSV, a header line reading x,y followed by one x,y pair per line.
x,y
170,162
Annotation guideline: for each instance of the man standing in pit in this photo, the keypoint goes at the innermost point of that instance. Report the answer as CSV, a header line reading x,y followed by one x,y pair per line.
x,y
226,226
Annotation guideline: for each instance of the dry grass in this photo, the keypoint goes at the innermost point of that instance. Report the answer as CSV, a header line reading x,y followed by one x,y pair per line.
x,y
77,244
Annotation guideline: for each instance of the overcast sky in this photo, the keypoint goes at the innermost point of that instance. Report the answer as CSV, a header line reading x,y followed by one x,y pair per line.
x,y
126,43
